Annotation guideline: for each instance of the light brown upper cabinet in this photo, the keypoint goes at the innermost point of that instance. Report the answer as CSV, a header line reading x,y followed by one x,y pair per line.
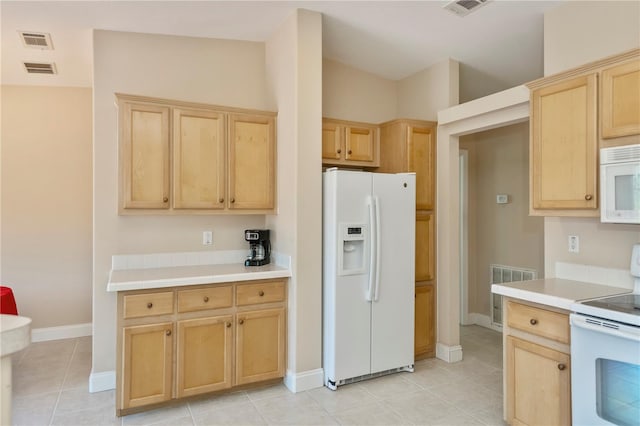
x,y
198,159
251,162
565,110
620,100
144,156
564,145
410,146
222,159
348,143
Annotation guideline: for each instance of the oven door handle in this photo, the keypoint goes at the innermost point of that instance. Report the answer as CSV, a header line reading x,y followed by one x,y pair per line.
x,y
581,322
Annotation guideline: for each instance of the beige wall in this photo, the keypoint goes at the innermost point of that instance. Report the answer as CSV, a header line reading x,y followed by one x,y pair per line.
x,y
294,70
423,94
230,73
352,94
500,233
576,33
46,202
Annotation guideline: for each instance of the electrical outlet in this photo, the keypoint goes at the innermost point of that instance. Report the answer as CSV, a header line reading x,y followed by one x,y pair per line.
x,y
207,238
574,244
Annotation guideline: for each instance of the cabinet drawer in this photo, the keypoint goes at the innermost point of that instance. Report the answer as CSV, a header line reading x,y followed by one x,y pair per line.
x,y
252,294
549,324
205,298
146,305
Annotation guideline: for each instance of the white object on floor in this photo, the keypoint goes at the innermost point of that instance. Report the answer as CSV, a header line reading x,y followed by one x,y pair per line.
x,y
14,336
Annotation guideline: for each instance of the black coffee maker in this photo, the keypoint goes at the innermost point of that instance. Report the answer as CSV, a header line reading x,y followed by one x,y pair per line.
x,y
260,247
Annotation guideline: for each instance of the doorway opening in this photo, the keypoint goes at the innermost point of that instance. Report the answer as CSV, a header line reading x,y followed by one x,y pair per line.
x,y
495,226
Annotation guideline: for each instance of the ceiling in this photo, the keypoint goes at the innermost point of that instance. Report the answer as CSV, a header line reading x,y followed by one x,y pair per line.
x,y
499,45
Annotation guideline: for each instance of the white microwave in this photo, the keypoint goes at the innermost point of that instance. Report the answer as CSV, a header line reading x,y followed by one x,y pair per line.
x,y
620,184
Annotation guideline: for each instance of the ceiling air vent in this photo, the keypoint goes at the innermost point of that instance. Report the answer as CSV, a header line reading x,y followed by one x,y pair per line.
x,y
36,40
40,68
464,7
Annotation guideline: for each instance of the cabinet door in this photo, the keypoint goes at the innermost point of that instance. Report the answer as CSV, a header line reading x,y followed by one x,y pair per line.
x,y
251,162
425,247
538,384
564,145
421,159
425,326
331,140
204,354
260,345
620,105
198,159
144,156
361,144
147,364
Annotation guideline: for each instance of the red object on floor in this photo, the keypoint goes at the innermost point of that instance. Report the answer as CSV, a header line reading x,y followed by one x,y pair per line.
x,y
7,301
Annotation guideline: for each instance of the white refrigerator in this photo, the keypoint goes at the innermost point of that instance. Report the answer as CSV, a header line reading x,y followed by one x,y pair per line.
x,y
368,274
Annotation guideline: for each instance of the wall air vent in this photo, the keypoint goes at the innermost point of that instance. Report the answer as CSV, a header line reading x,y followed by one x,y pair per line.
x,y
40,68
36,40
464,7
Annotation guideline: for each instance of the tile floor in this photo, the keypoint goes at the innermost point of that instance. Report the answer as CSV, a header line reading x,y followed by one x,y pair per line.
x,y
50,387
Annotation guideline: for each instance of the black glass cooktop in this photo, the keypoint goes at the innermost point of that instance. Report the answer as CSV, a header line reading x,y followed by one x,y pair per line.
x,y
627,303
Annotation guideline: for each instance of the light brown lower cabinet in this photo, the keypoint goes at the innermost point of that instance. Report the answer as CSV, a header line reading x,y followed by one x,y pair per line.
x,y
204,355
147,360
260,346
185,341
424,331
537,366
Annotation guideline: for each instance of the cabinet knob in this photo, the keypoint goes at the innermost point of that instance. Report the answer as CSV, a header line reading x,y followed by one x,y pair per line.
x,y
349,152
149,305
165,199
588,197
168,332
533,321
261,293
206,299
228,325
561,367
241,321
233,200
339,151
221,200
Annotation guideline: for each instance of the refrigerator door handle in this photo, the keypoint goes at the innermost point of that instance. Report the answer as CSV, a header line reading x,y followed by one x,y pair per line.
x,y
372,247
377,264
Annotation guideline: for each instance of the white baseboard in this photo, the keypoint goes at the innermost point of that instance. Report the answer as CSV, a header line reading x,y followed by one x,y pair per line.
x,y
484,321
449,353
300,382
62,332
102,381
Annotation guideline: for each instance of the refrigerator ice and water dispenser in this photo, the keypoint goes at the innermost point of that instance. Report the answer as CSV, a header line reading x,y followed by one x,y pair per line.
x,y
351,252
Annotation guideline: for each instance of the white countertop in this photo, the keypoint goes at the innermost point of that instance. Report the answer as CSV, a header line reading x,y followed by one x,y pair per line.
x,y
137,279
556,292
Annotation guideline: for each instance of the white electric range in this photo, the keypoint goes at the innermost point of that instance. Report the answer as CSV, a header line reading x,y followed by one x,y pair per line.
x,y
605,357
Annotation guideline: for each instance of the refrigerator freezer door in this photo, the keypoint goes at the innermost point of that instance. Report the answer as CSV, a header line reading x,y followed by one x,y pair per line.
x,y
347,313
392,317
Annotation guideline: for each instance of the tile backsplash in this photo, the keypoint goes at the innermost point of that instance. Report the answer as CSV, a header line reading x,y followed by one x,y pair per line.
x,y
595,274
